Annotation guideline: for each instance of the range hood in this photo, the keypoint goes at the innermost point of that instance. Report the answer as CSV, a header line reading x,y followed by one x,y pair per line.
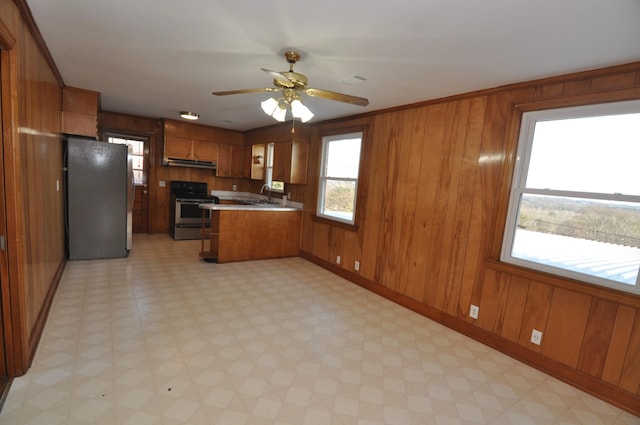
x,y
180,162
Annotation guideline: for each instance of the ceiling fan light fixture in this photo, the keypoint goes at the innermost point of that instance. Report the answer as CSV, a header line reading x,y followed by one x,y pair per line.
x,y
189,115
274,108
298,110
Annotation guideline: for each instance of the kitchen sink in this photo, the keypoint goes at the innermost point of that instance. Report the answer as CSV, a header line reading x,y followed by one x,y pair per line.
x,y
263,202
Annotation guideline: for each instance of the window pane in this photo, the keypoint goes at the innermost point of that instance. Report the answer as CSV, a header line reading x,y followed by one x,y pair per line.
x,y
339,199
138,177
594,154
343,158
593,237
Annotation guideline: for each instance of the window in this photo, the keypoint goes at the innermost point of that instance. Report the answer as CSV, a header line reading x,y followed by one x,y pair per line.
x,y
275,186
136,153
338,183
575,199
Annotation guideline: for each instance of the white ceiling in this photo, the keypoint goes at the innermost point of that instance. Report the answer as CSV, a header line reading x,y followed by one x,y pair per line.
x,y
157,57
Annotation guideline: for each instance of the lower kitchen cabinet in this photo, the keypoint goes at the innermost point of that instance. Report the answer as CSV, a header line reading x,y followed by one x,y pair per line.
x,y
240,235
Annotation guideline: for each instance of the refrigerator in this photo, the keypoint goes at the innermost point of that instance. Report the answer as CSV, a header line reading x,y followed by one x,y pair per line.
x,y
99,184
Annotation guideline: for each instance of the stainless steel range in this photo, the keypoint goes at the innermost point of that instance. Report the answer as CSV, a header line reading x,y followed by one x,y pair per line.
x,y
184,215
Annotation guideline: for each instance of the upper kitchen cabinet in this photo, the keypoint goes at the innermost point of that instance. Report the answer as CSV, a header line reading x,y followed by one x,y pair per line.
x,y
290,151
80,112
193,145
290,162
230,161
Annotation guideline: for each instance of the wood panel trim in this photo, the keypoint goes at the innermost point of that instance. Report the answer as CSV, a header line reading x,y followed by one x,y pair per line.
x,y
605,391
7,42
12,292
566,283
30,23
567,78
577,100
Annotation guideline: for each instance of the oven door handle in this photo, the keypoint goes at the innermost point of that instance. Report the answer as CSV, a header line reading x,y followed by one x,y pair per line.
x,y
188,203
192,225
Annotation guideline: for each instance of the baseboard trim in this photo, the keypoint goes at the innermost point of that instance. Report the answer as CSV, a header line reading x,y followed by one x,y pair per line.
x,y
600,389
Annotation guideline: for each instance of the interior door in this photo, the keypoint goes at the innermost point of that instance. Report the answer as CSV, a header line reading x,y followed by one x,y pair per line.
x,y
140,209
140,154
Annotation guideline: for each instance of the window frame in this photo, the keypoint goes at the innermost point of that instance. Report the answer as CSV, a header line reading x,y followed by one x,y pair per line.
x,y
268,174
518,186
322,178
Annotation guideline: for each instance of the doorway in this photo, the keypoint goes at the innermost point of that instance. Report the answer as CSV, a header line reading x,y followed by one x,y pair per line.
x,y
139,156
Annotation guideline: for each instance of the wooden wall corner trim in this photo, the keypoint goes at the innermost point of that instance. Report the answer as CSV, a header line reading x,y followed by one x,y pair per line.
x,y
598,388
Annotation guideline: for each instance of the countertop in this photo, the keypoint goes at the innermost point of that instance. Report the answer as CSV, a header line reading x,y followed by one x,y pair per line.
x,y
248,207
251,202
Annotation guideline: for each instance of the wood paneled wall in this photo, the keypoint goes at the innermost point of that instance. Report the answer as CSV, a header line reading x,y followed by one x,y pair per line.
x,y
33,173
435,195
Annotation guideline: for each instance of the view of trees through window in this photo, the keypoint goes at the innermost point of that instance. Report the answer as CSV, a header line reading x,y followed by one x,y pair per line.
x,y
339,196
339,176
616,223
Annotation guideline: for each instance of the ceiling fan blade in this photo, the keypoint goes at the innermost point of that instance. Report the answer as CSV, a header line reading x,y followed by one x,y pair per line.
x,y
340,97
224,93
280,78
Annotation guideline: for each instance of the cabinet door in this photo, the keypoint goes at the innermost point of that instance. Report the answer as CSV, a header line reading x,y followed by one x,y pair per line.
x,y
223,169
178,147
237,154
282,161
247,161
298,172
205,150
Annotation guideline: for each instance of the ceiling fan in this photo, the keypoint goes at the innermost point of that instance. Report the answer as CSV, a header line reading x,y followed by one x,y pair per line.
x,y
291,84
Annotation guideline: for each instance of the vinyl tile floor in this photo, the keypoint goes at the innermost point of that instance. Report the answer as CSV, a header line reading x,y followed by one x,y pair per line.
x,y
162,337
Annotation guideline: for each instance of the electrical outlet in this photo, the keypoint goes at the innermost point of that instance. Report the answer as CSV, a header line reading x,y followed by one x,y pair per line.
x,y
57,185
356,266
473,311
162,183
235,187
536,337
338,259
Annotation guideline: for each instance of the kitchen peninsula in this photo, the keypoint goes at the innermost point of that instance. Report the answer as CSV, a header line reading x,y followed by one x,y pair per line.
x,y
251,229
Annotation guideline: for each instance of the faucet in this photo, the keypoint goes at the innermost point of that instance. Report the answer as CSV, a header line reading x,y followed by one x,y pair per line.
x,y
262,190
